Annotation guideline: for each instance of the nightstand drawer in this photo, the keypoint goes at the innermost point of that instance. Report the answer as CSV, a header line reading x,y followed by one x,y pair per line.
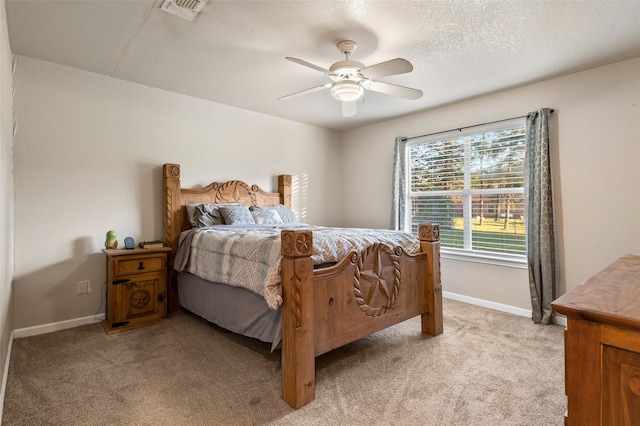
x,y
139,264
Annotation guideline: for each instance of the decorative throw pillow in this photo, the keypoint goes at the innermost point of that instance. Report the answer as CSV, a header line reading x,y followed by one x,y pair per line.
x,y
201,215
235,215
266,216
285,212
191,214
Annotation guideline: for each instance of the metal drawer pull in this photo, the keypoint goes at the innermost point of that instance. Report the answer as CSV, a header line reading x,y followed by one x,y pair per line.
x,y
140,266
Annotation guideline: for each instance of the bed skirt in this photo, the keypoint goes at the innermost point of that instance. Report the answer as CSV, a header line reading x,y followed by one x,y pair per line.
x,y
233,308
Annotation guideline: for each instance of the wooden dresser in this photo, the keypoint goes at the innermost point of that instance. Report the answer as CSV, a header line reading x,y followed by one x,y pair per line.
x,y
602,346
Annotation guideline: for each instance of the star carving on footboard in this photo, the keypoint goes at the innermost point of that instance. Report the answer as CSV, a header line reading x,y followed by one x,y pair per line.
x,y
296,244
376,280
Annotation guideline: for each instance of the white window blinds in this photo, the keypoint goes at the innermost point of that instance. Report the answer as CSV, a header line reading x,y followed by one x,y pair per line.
x,y
472,184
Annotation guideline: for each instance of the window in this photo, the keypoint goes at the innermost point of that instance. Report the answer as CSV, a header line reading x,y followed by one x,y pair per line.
x,y
472,184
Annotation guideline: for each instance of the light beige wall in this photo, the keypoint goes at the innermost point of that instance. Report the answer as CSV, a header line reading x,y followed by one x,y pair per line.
x,y
89,151
89,155
595,147
6,191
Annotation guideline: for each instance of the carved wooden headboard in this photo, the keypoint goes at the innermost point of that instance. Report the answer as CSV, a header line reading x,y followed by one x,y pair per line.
x,y
175,198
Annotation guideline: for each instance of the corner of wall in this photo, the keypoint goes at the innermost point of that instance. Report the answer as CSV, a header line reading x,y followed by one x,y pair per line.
x,y
7,196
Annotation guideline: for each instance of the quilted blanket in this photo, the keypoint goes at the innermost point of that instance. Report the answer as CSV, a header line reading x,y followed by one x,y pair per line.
x,y
250,257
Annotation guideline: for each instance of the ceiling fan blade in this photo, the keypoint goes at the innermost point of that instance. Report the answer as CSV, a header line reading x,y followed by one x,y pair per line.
x,y
349,108
305,91
383,69
392,89
308,64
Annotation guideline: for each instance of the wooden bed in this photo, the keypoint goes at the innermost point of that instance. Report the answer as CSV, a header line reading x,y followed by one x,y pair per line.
x,y
323,309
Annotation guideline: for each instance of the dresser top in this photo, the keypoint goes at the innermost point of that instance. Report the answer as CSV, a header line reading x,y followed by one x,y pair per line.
x,y
612,296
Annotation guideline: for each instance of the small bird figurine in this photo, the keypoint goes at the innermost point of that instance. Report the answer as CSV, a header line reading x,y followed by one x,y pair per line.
x,y
112,240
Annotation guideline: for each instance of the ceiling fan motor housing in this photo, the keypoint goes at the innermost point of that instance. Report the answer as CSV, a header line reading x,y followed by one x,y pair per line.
x,y
346,70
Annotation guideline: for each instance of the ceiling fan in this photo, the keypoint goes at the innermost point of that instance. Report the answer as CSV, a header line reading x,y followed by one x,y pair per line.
x,y
351,78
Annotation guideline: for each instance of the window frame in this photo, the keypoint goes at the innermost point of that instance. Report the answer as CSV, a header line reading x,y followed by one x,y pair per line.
x,y
502,259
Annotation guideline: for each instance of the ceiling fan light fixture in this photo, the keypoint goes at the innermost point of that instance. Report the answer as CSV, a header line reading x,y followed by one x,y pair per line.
x,y
346,90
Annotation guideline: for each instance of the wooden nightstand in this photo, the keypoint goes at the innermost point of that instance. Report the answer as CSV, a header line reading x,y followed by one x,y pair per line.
x,y
136,288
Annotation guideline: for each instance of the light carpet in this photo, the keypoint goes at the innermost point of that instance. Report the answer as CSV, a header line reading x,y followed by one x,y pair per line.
x,y
488,368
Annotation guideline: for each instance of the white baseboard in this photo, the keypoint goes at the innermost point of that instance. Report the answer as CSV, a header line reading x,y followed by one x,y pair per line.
x,y
5,376
496,306
56,326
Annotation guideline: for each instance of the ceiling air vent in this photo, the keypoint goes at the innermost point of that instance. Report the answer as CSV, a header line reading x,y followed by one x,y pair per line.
x,y
186,9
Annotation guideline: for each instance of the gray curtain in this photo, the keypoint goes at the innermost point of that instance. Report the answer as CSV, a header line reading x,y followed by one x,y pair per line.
x,y
540,220
398,205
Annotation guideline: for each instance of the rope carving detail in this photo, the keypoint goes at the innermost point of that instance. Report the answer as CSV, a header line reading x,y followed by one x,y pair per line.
x,y
297,301
296,244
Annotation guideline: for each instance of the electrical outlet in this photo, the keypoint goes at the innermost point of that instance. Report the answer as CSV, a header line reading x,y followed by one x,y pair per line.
x,y
84,287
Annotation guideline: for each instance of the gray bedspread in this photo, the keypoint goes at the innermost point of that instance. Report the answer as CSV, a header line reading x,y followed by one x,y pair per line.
x,y
250,257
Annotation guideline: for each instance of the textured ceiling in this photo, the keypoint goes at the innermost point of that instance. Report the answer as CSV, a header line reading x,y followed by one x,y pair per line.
x,y
234,51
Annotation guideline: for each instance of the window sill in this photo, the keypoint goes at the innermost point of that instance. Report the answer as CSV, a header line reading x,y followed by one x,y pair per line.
x,y
519,262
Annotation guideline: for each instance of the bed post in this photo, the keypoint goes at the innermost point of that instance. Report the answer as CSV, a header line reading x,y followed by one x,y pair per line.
x,y
429,235
284,188
298,316
171,221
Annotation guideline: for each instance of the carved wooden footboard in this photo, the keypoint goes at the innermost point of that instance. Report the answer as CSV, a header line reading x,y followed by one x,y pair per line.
x,y
364,293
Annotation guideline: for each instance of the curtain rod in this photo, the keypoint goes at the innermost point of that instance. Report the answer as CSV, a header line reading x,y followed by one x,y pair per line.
x,y
469,127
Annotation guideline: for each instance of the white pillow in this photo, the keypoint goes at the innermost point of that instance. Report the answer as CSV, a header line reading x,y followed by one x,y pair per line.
x,y
286,214
266,216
